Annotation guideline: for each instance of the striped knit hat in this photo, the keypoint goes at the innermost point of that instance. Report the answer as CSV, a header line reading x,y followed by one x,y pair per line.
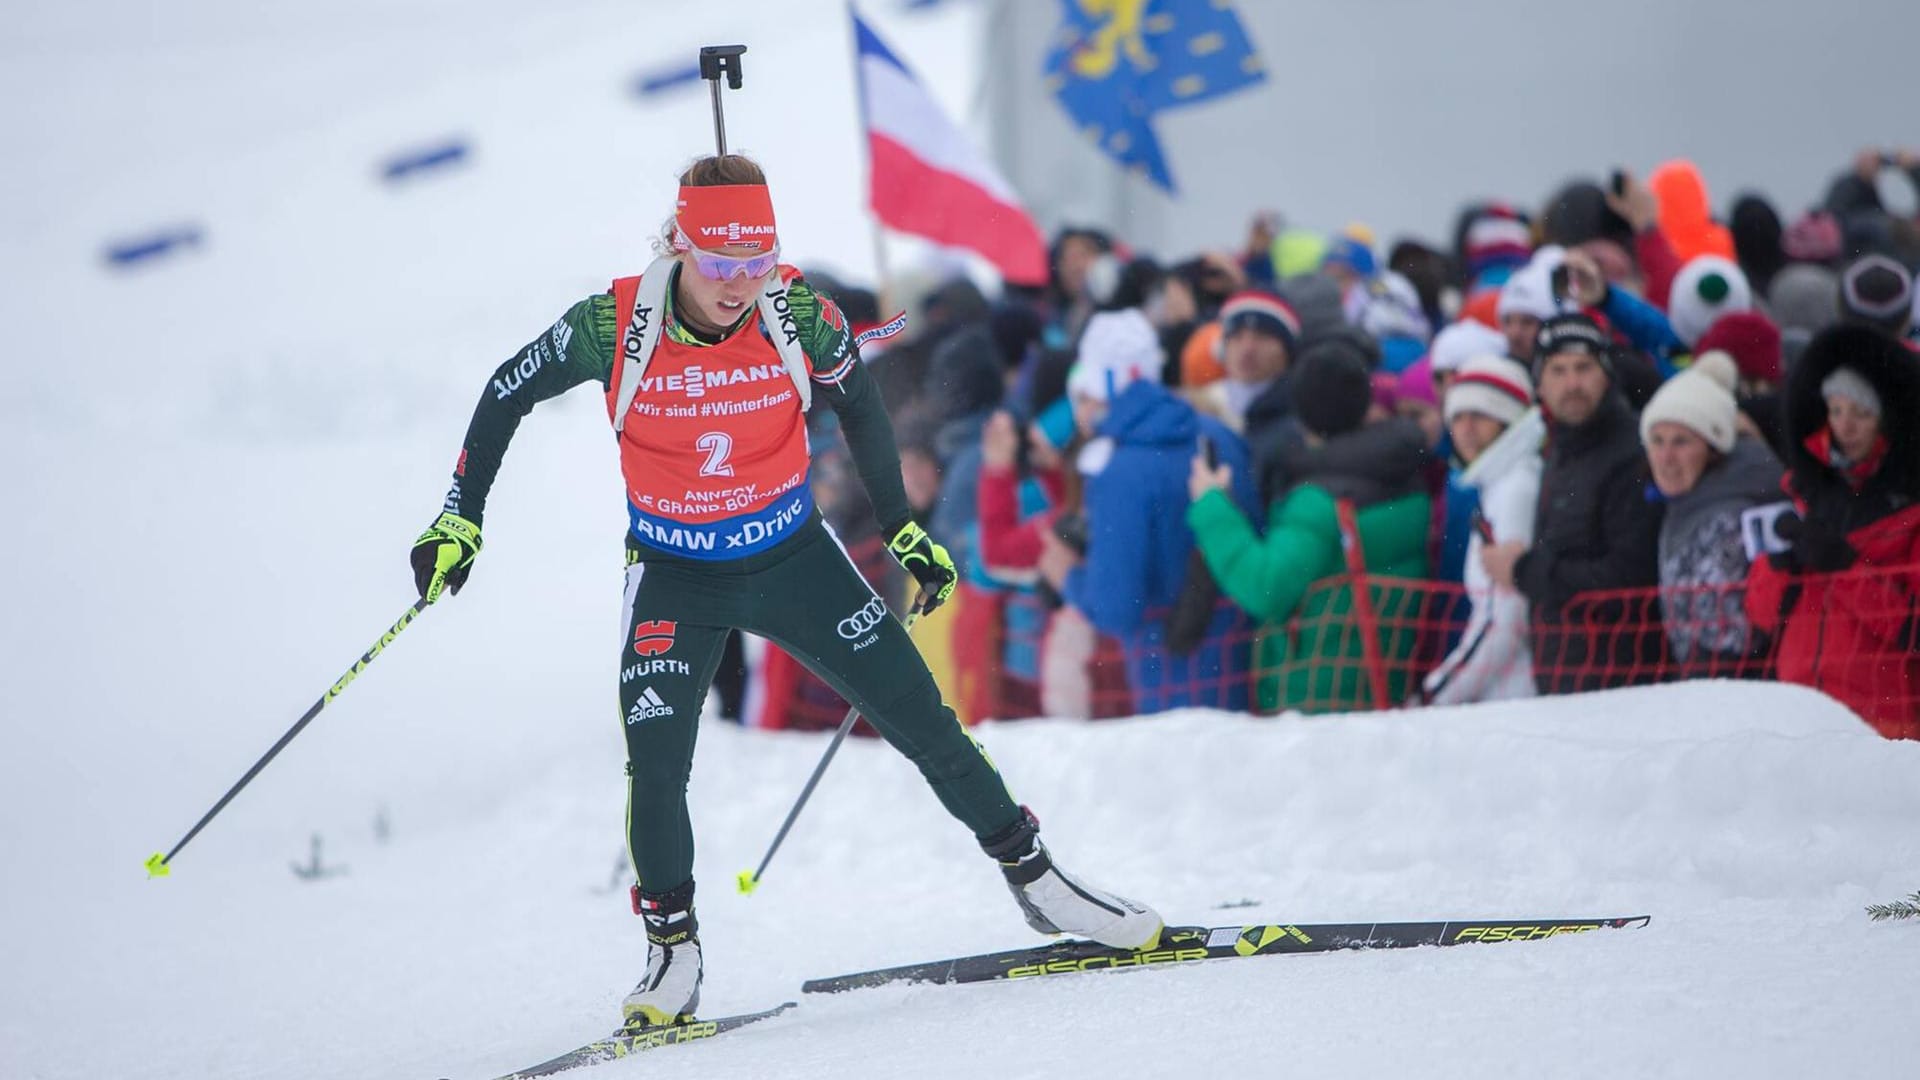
x,y
1493,386
1262,311
1879,292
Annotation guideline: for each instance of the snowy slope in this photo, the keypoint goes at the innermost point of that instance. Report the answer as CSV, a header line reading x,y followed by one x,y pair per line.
x,y
1752,822
214,467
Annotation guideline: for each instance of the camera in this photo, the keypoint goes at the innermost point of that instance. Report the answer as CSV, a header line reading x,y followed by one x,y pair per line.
x,y
1071,530
1768,529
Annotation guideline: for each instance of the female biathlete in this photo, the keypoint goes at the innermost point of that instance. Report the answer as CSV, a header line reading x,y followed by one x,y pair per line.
x,y
709,361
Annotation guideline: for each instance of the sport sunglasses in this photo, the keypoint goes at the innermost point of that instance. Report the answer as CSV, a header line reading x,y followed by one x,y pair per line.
x,y
716,267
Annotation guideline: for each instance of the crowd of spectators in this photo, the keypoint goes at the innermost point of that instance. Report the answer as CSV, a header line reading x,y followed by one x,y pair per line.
x,y
1612,441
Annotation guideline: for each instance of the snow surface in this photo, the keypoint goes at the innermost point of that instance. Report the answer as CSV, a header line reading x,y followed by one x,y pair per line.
x,y
215,465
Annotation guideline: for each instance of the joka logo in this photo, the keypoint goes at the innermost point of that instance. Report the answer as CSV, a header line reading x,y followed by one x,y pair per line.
x,y
654,636
648,706
783,311
863,621
636,332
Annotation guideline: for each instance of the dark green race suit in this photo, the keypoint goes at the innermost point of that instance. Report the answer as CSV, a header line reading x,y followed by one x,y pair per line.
x,y
803,594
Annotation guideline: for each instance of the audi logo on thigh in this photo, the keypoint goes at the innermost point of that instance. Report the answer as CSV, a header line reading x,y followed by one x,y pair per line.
x,y
864,620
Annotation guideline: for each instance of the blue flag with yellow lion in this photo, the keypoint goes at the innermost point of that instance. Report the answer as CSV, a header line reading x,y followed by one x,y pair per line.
x,y
1118,63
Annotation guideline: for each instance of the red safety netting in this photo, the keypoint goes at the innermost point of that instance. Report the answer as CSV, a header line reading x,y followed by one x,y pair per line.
x,y
1396,642
1851,635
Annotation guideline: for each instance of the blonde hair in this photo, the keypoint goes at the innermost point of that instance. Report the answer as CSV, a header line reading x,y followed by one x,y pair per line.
x,y
714,170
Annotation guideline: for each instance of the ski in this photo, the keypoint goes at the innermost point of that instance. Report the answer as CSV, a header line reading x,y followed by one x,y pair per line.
x,y
1190,944
632,1041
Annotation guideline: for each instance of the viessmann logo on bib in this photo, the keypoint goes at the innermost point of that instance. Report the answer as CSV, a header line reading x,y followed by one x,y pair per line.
x,y
694,381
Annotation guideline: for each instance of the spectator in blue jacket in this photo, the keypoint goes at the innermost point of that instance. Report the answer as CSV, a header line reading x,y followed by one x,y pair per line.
x,y
1136,541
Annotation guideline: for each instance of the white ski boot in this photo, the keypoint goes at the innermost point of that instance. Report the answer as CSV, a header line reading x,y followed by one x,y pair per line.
x,y
670,991
1055,902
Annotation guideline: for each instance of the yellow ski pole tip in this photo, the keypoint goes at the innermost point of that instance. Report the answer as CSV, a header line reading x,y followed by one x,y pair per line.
x,y
748,883
157,866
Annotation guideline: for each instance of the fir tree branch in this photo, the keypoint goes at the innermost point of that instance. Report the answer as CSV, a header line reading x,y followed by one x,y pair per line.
x,y
1899,909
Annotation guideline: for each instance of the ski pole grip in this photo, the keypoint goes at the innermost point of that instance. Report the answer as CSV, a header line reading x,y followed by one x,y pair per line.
x,y
716,60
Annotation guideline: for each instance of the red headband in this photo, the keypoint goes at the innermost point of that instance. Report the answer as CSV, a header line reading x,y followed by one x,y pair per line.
x,y
727,214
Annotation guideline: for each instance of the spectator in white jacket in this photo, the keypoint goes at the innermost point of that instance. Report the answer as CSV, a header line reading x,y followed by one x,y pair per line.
x,y
1497,436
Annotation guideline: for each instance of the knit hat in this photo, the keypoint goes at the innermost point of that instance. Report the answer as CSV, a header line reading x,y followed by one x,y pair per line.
x,y
1492,386
1496,237
1296,252
1393,310
1879,292
1352,248
1116,348
1705,289
1700,399
1530,290
1386,391
1750,339
1572,333
1416,383
1845,382
1331,389
1483,305
1453,346
1804,297
1253,309
1316,299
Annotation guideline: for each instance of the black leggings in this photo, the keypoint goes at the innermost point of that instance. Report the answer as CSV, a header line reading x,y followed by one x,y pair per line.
x,y
806,597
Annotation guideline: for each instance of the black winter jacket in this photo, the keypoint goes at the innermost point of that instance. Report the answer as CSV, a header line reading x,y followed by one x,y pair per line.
x,y
1594,529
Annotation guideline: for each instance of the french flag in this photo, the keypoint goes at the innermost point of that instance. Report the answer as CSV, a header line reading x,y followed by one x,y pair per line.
x,y
928,179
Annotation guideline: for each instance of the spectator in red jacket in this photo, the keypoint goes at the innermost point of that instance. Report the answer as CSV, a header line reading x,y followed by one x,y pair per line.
x,y
1051,655
1846,591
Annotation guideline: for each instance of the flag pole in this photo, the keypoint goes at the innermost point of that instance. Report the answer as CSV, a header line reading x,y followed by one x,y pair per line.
x,y
883,283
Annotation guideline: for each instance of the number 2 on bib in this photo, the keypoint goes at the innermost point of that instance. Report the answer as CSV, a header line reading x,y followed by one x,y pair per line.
x,y
717,445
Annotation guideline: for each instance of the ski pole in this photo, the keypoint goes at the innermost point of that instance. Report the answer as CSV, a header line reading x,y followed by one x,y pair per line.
x,y
716,60
749,880
157,864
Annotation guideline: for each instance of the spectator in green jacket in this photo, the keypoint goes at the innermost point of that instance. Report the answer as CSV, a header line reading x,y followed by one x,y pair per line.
x,y
1315,655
